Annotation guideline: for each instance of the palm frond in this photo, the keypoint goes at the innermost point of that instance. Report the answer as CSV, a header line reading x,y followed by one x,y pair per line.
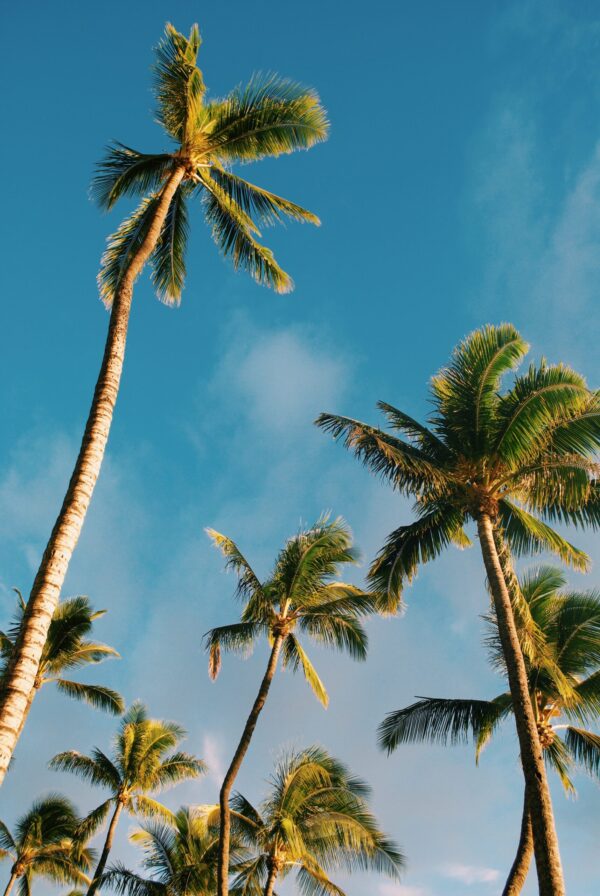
x,y
526,534
126,172
344,632
265,207
178,83
168,256
248,581
97,696
94,820
438,720
584,747
558,756
239,637
87,768
295,656
123,245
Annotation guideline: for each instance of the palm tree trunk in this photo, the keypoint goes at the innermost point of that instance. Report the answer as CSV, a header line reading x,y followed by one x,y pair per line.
x,y
236,762
547,855
110,835
520,867
11,882
55,561
270,885
30,699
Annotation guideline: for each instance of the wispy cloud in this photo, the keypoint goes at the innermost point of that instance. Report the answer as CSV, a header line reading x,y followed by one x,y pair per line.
x,y
470,874
402,890
212,753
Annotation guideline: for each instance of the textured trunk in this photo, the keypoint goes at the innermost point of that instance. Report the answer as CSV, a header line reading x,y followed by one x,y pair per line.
x,y
11,883
547,855
520,867
55,561
28,703
270,885
236,762
110,836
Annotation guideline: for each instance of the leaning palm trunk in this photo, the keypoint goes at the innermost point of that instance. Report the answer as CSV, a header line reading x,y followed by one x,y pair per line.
x,y
110,836
11,883
520,867
48,582
272,877
547,855
236,763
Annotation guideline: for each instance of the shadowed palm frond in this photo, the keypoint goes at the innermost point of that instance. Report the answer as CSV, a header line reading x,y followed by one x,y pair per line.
x,y
123,246
95,695
259,204
126,172
168,257
438,720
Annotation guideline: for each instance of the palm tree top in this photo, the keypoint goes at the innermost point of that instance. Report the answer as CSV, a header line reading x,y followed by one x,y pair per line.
x,y
525,455
66,648
302,594
267,117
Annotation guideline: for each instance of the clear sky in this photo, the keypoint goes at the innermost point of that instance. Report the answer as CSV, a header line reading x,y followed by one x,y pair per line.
x,y
460,185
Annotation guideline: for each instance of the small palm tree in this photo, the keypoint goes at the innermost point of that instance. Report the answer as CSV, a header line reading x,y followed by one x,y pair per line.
x,y
66,648
45,845
299,595
570,626
510,461
141,764
314,820
180,854
268,117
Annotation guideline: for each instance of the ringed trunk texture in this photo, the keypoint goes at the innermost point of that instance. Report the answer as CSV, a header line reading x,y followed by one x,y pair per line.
x,y
55,561
520,867
236,763
110,836
270,885
547,855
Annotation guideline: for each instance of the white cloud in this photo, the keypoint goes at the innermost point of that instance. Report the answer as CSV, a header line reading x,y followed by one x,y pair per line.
x,y
402,890
212,754
470,874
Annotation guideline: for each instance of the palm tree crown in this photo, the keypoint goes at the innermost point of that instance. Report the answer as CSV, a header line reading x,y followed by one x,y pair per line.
x,y
525,456
314,820
66,648
45,844
268,117
141,764
300,595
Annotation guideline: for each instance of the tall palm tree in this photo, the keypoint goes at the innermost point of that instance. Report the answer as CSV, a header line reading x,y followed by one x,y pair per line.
x,y
511,461
299,595
268,117
66,648
315,819
44,844
569,622
180,854
141,764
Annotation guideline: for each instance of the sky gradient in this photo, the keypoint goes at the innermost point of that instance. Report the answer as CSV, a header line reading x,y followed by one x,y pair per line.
x,y
460,185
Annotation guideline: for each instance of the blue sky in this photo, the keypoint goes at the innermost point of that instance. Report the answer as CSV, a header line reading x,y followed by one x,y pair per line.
x,y
460,185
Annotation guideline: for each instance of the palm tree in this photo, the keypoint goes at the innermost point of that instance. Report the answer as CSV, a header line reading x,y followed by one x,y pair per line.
x,y
315,818
140,764
268,117
45,845
570,625
181,856
300,594
66,648
511,461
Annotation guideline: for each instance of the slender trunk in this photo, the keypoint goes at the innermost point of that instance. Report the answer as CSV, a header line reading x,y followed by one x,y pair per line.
x,y
11,882
236,762
55,561
28,704
520,867
110,835
270,885
547,855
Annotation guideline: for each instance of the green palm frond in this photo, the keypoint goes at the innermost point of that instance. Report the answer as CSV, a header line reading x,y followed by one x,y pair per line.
x,y
96,695
178,83
488,725
101,773
420,542
295,656
526,534
587,706
584,747
168,256
248,581
233,232
558,756
146,807
315,882
123,246
94,820
268,117
178,767
260,204
126,172
342,631
127,883
422,437
239,637
438,720
310,559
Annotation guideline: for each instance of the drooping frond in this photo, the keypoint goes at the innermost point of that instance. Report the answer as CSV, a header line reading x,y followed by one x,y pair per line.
x,y
407,467
168,256
420,542
488,725
584,746
248,581
102,774
233,232
526,534
423,437
295,656
558,756
178,83
126,172
438,720
239,637
96,695
177,767
466,391
122,246
261,205
94,820
268,117
342,631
